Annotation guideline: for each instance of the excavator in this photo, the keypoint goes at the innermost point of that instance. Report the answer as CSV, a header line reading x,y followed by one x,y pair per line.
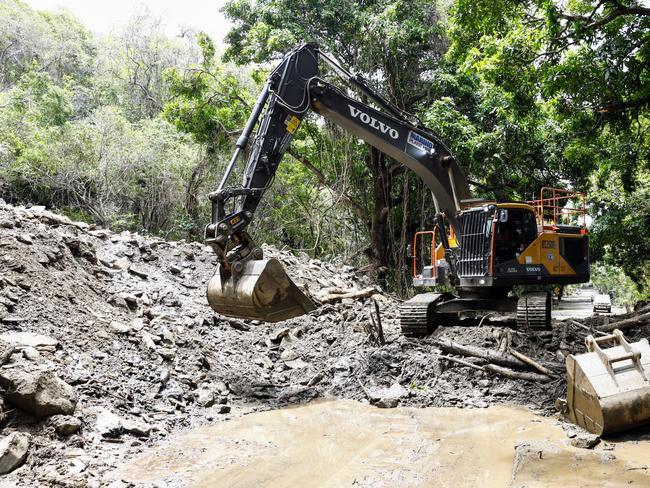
x,y
482,250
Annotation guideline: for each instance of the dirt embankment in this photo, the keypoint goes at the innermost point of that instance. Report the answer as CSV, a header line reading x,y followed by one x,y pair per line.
x,y
127,339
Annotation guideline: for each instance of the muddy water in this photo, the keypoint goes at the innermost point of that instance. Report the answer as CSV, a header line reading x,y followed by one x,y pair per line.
x,y
345,443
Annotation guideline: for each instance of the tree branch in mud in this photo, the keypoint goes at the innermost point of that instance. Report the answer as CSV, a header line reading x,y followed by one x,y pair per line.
x,y
494,357
374,328
532,363
501,371
330,295
638,321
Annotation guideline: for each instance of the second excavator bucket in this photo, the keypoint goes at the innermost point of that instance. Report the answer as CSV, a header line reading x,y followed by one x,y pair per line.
x,y
261,291
608,389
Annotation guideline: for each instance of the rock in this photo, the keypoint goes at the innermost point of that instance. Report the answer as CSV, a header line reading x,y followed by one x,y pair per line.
x,y
315,379
130,300
25,239
119,327
166,353
118,301
137,324
579,437
276,336
136,428
224,409
296,363
221,387
387,403
110,425
342,364
41,393
6,350
122,263
25,339
264,361
288,341
148,340
107,423
31,354
289,355
13,451
205,397
65,424
164,376
387,397
138,271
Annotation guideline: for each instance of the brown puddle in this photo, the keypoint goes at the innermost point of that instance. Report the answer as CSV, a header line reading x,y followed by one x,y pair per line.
x,y
345,443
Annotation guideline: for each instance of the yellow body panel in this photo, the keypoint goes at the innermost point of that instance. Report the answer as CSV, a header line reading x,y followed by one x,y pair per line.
x,y
516,205
440,252
545,250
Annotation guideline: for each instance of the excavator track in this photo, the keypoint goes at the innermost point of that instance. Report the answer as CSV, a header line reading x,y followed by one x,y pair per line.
x,y
534,311
416,314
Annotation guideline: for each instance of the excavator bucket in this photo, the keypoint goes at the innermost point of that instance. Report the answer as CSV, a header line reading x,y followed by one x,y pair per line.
x,y
261,291
608,389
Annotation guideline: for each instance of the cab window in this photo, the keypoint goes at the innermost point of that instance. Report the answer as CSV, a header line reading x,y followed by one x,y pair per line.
x,y
515,230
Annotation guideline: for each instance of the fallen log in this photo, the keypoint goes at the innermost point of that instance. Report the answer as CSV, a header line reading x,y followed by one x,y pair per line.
x,y
584,327
532,363
499,370
492,356
489,355
638,321
337,294
516,375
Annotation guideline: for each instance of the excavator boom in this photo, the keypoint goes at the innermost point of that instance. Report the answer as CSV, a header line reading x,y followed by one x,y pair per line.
x,y
244,284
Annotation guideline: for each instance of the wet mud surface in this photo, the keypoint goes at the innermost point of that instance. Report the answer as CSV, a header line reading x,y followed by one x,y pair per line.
x,y
345,443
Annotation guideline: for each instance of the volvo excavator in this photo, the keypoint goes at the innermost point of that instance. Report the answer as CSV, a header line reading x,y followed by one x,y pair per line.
x,y
483,250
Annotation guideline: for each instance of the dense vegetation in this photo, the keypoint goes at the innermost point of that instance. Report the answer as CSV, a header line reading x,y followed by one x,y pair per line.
x,y
132,130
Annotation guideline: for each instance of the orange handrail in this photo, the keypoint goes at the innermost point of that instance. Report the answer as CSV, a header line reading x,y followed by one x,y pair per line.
x,y
433,250
554,200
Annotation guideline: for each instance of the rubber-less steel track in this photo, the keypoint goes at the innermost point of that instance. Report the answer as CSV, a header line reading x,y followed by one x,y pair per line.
x,y
534,311
416,313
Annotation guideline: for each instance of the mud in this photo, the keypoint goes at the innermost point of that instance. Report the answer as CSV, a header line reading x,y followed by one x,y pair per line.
x,y
345,443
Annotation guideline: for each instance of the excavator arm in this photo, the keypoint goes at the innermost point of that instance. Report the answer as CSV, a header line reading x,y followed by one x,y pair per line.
x,y
245,285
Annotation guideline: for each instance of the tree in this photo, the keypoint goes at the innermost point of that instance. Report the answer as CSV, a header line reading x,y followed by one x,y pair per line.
x,y
55,43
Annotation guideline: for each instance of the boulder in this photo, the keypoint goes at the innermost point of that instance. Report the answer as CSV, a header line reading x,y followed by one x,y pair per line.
x,y
41,393
387,397
65,424
119,327
29,339
110,425
205,397
13,451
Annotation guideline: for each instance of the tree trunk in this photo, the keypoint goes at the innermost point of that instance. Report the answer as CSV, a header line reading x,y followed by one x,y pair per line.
x,y
380,251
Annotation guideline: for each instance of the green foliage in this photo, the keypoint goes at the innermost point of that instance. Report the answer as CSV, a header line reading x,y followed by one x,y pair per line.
x,y
53,42
612,280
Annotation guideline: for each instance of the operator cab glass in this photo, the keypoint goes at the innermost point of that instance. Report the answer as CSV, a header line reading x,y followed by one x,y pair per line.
x,y
515,230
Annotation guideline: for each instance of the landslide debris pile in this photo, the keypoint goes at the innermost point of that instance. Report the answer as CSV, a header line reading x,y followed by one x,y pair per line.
x,y
107,343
